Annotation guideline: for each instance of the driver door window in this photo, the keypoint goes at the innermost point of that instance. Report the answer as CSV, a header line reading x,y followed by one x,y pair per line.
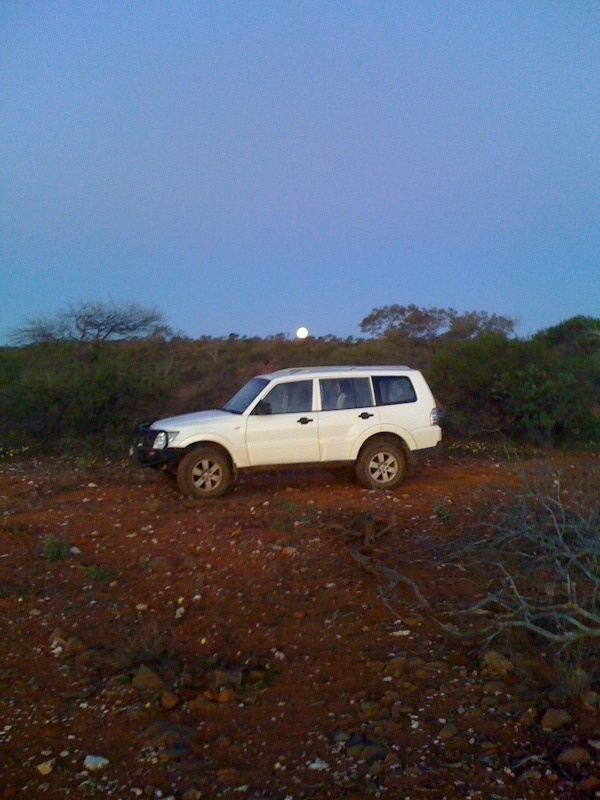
x,y
294,397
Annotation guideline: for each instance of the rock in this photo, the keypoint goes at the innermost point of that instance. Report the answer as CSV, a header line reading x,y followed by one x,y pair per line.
x,y
590,783
228,776
373,752
74,646
389,698
494,663
400,709
146,681
555,718
192,794
95,763
355,750
178,749
156,563
530,775
227,677
257,675
57,638
357,737
528,718
165,734
448,731
494,687
46,767
396,666
574,755
458,745
341,736
591,700
169,700
199,707
226,695
370,708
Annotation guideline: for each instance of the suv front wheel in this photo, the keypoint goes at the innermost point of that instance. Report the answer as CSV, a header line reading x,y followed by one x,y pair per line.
x,y
204,473
381,465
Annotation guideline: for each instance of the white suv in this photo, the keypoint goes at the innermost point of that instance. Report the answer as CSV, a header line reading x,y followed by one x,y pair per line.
x,y
377,418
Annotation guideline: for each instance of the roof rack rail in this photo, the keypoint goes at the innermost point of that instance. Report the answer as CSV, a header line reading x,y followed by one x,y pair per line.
x,y
340,368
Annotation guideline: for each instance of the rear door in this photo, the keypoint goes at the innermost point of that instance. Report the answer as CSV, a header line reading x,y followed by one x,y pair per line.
x,y
348,414
398,406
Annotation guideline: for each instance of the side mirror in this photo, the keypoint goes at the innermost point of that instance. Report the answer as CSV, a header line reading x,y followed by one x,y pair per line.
x,y
262,408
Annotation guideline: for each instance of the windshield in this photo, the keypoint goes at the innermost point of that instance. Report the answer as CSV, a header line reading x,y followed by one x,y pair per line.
x,y
242,399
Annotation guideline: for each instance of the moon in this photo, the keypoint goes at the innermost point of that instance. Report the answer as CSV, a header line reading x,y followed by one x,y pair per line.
x,y
302,332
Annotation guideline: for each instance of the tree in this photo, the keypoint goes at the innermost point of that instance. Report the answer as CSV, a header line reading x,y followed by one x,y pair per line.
x,y
577,335
470,324
409,321
93,321
428,324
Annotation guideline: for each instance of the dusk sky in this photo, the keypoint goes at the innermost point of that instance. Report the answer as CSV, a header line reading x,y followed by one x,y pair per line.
x,y
252,167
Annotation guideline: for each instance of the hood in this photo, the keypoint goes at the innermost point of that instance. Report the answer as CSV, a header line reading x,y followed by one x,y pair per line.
x,y
193,420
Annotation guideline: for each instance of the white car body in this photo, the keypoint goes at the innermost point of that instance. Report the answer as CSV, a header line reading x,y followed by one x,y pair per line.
x,y
305,415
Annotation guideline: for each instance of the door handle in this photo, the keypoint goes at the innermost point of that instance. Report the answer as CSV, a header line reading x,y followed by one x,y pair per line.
x,y
365,415
304,420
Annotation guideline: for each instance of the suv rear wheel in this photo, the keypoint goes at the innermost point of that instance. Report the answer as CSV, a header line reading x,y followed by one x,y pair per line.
x,y
203,473
381,465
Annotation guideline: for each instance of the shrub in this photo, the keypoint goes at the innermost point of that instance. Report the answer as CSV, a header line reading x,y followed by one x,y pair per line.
x,y
541,561
55,548
519,389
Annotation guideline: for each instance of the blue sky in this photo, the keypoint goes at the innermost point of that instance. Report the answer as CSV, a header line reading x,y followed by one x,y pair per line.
x,y
251,167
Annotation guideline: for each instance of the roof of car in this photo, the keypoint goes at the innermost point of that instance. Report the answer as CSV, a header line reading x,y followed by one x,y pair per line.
x,y
377,368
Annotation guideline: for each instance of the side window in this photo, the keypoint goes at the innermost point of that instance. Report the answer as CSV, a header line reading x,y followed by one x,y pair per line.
x,y
393,389
287,398
339,393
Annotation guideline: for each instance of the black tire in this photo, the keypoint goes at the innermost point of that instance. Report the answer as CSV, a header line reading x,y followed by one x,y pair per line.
x,y
204,473
381,465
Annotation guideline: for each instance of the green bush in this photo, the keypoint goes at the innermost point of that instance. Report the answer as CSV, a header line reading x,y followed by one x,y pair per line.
x,y
527,390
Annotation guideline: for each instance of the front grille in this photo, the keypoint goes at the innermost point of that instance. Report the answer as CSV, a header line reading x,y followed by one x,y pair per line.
x,y
144,438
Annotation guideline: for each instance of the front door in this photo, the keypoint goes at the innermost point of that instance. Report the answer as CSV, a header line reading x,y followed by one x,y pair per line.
x,y
282,428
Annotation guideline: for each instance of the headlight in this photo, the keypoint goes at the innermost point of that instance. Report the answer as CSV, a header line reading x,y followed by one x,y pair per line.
x,y
164,439
161,441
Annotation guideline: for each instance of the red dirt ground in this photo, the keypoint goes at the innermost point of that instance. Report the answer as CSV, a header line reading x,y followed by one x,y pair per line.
x,y
281,663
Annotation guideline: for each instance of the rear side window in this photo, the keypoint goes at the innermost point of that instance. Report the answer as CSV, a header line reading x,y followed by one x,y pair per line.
x,y
393,389
337,393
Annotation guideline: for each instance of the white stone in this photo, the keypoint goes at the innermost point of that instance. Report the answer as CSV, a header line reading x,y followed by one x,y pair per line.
x,y
319,765
94,763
